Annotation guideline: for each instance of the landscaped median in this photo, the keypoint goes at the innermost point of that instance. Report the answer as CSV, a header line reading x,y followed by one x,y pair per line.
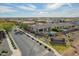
x,y
60,48
13,46
12,42
43,43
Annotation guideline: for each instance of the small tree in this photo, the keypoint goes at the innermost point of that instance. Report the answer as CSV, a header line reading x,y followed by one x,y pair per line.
x,y
6,26
24,26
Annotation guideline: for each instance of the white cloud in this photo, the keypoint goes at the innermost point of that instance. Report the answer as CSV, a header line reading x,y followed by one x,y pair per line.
x,y
69,5
54,6
30,7
46,11
73,12
42,13
6,9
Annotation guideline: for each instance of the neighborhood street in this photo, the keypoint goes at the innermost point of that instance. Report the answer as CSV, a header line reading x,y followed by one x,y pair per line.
x,y
29,47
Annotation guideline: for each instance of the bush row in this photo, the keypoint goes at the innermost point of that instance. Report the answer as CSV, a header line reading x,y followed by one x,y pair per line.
x,y
12,42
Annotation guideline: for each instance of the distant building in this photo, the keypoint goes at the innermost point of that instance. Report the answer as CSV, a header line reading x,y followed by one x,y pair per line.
x,y
62,25
46,27
70,30
30,22
58,41
41,28
2,35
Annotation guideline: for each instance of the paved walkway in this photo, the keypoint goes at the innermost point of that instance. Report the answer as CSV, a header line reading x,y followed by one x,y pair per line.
x,y
43,43
15,52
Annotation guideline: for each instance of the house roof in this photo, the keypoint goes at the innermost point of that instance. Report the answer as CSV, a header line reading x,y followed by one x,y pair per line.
x,y
62,24
47,25
28,21
57,38
41,25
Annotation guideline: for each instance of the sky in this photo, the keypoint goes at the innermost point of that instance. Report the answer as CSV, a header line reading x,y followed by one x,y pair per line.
x,y
39,9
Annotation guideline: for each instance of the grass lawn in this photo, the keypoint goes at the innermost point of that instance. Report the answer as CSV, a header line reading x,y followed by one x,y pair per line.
x,y
60,48
42,39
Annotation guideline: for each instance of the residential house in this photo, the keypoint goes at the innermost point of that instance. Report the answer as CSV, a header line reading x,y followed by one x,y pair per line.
x,y
62,25
41,28
46,27
58,41
30,22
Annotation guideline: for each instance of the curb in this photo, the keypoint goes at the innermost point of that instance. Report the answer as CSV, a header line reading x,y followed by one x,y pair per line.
x,y
15,52
46,45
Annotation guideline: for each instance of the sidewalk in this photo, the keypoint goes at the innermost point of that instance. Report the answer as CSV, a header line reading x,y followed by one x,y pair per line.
x,y
56,53
15,52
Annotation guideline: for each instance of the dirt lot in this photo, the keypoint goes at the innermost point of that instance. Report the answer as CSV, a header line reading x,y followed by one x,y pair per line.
x,y
74,49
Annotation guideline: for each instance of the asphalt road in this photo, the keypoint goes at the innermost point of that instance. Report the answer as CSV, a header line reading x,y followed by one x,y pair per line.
x,y
29,47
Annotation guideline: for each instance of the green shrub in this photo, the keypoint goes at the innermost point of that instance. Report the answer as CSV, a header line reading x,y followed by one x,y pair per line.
x,y
56,30
4,51
0,54
24,26
12,42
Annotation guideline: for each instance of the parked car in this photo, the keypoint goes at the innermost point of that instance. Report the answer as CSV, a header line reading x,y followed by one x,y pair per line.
x,y
18,32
